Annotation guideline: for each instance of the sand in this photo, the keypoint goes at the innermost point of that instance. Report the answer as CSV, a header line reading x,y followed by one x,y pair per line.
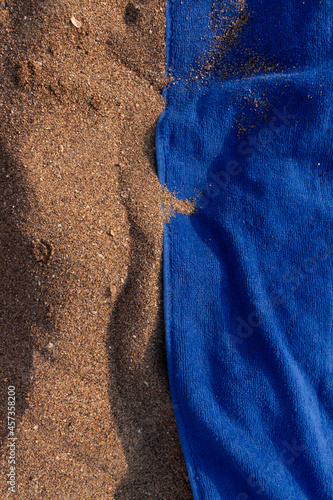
x,y
81,226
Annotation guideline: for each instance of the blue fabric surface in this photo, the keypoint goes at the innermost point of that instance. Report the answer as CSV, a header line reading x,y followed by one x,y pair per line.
x,y
249,276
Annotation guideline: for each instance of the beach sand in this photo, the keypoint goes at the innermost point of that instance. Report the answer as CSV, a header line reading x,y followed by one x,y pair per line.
x,y
81,224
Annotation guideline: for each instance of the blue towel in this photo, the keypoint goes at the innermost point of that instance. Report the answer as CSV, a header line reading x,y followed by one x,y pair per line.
x,y
248,278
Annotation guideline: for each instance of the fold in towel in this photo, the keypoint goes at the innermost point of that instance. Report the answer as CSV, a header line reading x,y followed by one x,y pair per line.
x,y
248,278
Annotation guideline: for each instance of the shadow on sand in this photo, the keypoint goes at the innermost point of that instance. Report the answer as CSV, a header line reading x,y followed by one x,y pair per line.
x,y
139,391
23,312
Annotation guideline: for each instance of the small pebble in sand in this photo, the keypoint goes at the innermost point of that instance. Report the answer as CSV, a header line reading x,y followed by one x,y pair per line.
x,y
75,22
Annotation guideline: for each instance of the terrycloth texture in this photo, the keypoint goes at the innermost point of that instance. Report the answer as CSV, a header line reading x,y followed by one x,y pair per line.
x,y
249,277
